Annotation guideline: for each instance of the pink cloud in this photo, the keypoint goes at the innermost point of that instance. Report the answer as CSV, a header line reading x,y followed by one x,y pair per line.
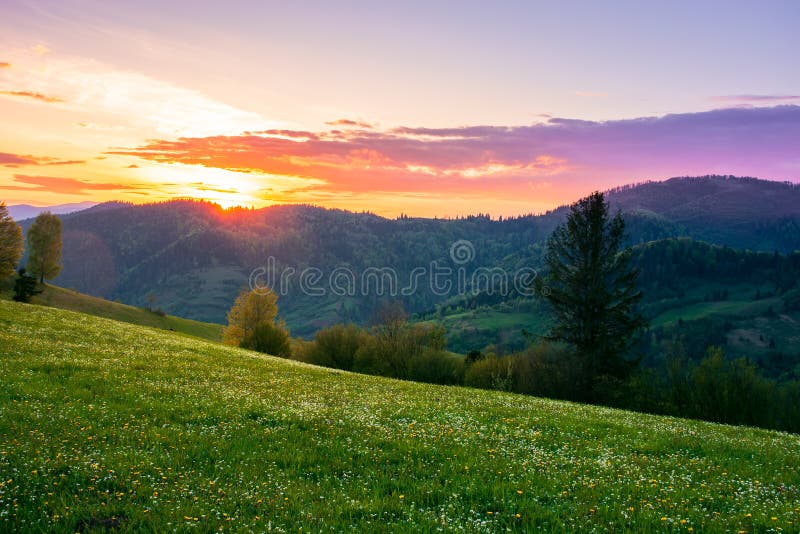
x,y
508,161
67,186
741,99
16,160
350,123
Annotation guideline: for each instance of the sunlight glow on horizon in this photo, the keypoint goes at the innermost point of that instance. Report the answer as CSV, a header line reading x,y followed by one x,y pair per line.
x,y
112,107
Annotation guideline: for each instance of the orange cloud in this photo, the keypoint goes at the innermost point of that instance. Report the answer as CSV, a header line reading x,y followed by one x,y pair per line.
x,y
4,65
501,163
349,123
31,94
66,186
16,160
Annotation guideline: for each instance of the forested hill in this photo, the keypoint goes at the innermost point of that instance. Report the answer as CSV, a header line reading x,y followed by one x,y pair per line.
x,y
738,212
194,257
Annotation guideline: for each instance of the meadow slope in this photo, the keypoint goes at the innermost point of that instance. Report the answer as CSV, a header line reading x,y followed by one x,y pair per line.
x,y
67,299
110,425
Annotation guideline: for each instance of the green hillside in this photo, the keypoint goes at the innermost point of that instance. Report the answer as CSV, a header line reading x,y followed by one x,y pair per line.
x,y
66,299
196,257
107,424
749,296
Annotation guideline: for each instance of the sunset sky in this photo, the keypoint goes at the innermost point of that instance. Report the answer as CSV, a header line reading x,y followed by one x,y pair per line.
x,y
425,108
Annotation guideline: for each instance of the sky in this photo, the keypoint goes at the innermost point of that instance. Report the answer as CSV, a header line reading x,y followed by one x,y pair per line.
x,y
429,108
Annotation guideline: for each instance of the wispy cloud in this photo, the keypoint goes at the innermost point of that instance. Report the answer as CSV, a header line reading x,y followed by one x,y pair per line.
x,y
110,95
743,99
34,95
17,160
349,123
65,186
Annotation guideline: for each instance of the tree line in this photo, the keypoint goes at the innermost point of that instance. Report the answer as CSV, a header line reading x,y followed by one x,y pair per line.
x,y
589,355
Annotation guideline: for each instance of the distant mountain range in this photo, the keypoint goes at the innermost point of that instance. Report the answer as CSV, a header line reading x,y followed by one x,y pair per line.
x,y
194,257
20,212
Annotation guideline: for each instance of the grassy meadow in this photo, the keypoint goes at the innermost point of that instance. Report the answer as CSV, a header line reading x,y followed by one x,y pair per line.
x,y
68,299
108,425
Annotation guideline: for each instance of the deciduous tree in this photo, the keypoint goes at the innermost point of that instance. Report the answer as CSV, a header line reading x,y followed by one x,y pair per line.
x,y
11,243
44,247
251,309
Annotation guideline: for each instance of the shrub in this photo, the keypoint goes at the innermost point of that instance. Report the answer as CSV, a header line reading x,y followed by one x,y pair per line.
x,y
390,350
436,367
549,370
731,391
491,373
336,346
269,339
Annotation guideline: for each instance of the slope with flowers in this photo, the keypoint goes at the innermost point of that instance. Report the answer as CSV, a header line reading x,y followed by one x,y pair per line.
x,y
111,425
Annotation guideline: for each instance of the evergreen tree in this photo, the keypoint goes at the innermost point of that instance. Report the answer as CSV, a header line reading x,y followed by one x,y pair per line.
x,y
11,243
25,287
591,287
44,246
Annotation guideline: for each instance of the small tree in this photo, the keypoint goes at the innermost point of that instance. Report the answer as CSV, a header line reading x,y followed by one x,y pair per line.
x,y
591,288
25,287
11,243
250,310
44,246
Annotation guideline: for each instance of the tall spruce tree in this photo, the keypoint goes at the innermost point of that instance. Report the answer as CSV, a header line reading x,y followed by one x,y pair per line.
x,y
10,243
44,247
591,287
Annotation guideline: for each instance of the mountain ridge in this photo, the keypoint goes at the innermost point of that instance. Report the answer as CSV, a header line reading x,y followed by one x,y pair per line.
x,y
195,256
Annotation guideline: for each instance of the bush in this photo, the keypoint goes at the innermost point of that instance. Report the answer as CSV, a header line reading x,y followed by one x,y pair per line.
x,y
436,367
549,370
336,346
731,391
390,350
491,373
269,339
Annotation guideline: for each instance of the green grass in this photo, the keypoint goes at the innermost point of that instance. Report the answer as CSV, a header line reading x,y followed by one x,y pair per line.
x,y
704,309
475,329
106,424
67,299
